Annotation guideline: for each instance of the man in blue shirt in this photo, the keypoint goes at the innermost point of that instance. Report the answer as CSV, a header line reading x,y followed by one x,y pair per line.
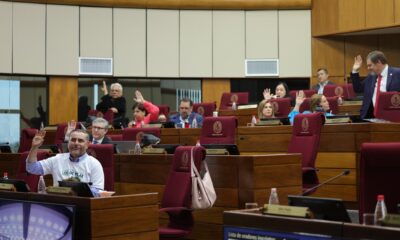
x,y
185,117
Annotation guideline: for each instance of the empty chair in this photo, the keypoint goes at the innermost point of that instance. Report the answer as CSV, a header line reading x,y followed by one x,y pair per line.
x,y
305,140
240,98
164,109
131,134
205,109
389,106
307,92
218,130
105,154
282,106
176,201
343,90
379,174
30,179
25,140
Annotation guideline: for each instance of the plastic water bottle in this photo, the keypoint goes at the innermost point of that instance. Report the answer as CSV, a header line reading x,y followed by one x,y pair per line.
x,y
142,124
253,121
273,197
5,175
41,188
198,143
137,150
380,210
194,123
234,107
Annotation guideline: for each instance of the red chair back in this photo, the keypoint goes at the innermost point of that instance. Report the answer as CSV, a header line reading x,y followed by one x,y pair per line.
x,y
240,98
305,140
282,106
389,106
131,134
115,137
343,90
307,92
30,179
305,106
109,115
25,140
379,174
218,130
205,109
333,104
105,154
164,109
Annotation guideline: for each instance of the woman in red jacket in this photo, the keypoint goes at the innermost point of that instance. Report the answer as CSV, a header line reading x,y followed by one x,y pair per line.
x,y
144,111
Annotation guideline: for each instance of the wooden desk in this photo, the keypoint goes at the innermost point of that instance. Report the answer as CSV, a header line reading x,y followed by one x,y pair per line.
x,y
270,224
237,180
117,217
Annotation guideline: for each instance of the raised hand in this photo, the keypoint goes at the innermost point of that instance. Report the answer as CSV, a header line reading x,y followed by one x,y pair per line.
x,y
267,94
357,63
138,97
300,97
38,139
104,88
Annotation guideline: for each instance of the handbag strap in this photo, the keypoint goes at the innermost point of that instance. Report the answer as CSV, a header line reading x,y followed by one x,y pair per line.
x,y
194,171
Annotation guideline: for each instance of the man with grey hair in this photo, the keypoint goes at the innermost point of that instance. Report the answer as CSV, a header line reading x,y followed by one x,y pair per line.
x,y
115,102
99,131
381,78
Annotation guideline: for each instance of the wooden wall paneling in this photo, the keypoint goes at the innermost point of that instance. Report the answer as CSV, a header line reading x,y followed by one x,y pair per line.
x,y
351,15
389,45
187,4
6,37
212,89
162,43
379,13
129,42
356,45
195,44
397,11
96,32
29,31
328,53
294,56
228,43
63,101
324,16
62,40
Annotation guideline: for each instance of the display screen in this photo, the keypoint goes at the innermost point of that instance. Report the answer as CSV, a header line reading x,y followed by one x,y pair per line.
x,y
32,220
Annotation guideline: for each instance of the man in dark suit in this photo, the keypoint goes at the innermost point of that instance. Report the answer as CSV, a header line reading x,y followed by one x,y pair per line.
x,y
381,77
184,118
323,78
98,134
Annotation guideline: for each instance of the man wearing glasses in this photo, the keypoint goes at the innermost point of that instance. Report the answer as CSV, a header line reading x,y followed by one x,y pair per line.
x,y
99,130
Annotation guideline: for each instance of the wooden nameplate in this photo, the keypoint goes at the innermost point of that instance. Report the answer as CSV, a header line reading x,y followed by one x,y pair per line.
x,y
337,120
249,106
289,211
7,187
271,122
217,152
153,151
392,220
60,190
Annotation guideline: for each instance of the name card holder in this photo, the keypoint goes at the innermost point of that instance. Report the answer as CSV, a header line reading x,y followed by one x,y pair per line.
x,y
337,120
248,106
392,220
217,151
153,151
271,122
289,211
60,190
7,187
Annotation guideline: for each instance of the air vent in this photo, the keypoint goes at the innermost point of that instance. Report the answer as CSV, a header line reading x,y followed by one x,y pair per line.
x,y
262,67
95,66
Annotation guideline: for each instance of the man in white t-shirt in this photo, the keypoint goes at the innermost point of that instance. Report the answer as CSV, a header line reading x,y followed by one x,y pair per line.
x,y
75,164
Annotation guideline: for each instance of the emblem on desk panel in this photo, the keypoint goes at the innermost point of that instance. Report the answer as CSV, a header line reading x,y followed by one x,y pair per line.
x,y
395,100
304,125
200,110
234,98
339,91
185,160
275,105
217,127
139,136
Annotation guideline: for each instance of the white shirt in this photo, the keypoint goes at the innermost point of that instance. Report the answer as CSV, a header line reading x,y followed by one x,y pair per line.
x,y
384,75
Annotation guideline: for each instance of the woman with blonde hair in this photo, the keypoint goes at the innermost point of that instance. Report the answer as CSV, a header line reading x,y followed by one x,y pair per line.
x,y
266,109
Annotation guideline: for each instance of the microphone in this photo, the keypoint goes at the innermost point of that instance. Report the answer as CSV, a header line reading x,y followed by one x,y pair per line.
x,y
344,173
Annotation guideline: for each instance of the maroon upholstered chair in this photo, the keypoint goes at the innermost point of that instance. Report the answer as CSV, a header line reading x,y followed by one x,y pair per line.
x,y
282,106
105,154
305,106
218,130
343,90
115,137
307,92
379,174
333,104
305,140
177,199
130,134
164,109
389,106
239,98
25,140
109,115
30,179
205,109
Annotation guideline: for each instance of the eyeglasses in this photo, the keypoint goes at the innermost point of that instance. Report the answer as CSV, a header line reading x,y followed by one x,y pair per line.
x,y
97,128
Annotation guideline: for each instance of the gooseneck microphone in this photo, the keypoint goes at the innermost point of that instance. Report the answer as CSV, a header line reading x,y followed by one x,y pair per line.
x,y
344,173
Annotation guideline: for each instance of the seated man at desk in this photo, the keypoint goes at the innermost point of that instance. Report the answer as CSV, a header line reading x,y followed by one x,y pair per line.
x,y
184,118
99,131
75,164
